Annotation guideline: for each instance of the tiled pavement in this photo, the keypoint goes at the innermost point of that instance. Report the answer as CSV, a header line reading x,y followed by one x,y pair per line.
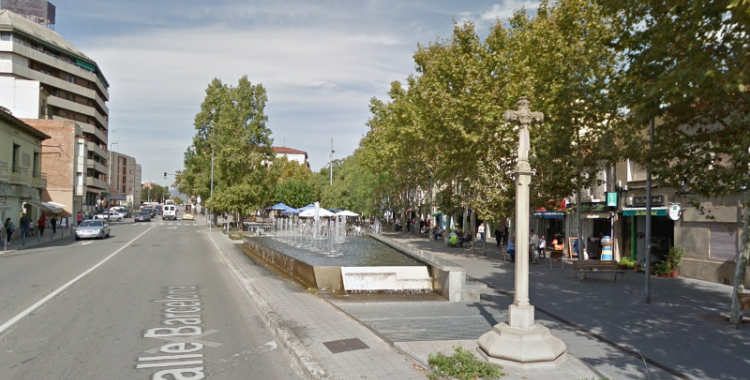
x,y
607,324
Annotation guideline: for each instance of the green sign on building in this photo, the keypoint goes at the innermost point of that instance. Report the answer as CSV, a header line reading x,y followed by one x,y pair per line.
x,y
612,199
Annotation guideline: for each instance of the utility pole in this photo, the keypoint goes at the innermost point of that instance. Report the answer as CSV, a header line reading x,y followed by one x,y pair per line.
x,y
648,210
330,160
210,224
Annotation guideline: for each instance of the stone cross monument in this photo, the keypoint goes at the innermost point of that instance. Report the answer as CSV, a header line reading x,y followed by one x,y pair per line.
x,y
521,343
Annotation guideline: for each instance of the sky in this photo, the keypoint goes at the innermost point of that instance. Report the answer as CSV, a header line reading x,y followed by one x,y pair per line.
x,y
320,61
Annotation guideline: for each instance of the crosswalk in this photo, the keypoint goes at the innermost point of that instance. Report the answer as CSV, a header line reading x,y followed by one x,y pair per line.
x,y
171,224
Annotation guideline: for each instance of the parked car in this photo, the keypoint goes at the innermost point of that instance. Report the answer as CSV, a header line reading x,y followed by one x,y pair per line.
x,y
142,216
93,229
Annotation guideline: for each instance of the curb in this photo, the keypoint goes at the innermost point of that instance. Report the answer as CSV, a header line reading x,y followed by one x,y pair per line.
x,y
294,345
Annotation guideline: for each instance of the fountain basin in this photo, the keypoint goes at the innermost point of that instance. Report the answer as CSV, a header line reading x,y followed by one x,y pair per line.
x,y
362,265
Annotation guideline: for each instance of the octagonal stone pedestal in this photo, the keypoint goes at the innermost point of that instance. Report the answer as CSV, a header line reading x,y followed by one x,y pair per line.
x,y
533,348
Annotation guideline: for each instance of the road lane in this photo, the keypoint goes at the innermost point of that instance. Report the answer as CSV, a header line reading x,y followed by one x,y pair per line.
x,y
116,319
27,276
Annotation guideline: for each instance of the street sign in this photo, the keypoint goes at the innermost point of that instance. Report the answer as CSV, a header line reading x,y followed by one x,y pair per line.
x,y
611,199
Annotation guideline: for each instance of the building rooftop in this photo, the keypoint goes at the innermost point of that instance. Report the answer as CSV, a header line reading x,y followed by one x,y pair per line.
x,y
12,120
285,150
12,22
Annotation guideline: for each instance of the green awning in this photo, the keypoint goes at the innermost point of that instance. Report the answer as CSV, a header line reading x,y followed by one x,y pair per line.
x,y
437,213
86,65
641,211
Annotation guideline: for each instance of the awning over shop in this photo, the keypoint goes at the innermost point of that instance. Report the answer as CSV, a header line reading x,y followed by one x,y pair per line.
x,y
641,211
117,197
597,215
46,206
549,215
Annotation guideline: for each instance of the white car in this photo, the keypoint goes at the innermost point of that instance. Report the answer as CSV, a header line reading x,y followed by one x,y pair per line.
x,y
169,212
112,215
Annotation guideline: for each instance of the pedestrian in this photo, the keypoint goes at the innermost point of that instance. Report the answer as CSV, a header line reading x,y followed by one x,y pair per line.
x,y
41,224
53,222
512,249
542,247
506,234
533,247
480,231
23,223
79,218
498,236
9,228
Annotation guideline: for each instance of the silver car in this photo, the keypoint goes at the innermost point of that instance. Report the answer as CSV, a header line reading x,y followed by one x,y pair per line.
x,y
94,229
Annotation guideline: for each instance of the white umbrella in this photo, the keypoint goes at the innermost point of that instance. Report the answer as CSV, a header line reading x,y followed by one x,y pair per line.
x,y
311,213
347,213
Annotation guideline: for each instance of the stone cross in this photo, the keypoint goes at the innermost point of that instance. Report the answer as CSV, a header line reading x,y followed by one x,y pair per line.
x,y
521,342
524,118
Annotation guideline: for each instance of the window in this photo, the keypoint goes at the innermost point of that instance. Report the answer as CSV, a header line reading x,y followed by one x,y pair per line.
x,y
5,37
724,242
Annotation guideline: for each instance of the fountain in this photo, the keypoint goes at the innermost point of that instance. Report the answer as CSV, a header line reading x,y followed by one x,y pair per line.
x,y
322,253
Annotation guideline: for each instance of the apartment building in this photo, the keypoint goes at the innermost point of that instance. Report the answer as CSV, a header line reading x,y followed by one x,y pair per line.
x,y
21,178
71,87
125,180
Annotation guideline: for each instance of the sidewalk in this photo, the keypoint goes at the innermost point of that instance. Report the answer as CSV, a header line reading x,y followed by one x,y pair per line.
x,y
608,325
303,322
32,241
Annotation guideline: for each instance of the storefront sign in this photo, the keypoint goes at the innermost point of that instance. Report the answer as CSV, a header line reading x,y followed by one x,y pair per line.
x,y
612,199
656,200
675,211
661,211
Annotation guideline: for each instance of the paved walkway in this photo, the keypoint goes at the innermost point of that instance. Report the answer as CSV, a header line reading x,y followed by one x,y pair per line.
x,y
303,322
17,243
607,324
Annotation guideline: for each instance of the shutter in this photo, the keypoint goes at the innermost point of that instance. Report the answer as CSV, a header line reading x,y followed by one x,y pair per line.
x,y
724,244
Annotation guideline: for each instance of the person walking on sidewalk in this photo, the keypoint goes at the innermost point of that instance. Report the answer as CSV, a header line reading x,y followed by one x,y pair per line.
x,y
9,228
542,247
23,223
512,249
53,222
79,218
40,225
480,231
498,236
533,247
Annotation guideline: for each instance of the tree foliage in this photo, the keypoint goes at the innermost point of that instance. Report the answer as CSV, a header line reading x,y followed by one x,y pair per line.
x,y
231,125
445,133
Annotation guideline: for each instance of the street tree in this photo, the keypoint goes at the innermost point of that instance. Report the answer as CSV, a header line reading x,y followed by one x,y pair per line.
x,y
686,65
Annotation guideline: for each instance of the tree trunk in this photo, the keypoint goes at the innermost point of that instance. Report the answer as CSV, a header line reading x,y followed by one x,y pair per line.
x,y
739,272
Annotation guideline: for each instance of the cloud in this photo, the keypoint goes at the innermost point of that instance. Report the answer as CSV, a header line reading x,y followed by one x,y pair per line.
x,y
506,9
320,62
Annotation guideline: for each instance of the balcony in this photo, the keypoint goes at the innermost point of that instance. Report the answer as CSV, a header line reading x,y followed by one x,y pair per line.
x,y
39,180
96,182
4,172
101,168
20,176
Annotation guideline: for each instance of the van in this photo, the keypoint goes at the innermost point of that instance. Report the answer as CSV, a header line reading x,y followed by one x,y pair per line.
x,y
169,212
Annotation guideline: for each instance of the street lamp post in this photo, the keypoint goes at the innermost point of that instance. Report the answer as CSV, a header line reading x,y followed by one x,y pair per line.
x,y
210,224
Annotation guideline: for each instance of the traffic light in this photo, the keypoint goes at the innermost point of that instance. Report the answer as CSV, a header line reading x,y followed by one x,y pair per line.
x,y
165,175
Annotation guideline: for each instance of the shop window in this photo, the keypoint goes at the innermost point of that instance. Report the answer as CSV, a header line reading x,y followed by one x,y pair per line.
x,y
724,243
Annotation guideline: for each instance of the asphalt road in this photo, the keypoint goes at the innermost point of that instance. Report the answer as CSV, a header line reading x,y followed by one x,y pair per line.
x,y
160,304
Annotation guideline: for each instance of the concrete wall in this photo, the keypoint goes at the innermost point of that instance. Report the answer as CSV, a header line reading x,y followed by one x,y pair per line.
x,y
21,97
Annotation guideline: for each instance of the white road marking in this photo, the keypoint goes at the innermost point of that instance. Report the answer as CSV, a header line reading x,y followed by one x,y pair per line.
x,y
189,339
161,224
86,242
59,290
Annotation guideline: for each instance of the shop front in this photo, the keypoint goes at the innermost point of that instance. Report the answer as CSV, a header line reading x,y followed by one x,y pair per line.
x,y
634,228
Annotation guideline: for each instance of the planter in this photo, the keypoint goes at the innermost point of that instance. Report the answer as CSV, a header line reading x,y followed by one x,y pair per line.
x,y
675,273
